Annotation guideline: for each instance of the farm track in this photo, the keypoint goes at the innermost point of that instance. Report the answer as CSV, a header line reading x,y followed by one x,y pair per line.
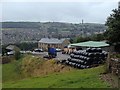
x,y
111,79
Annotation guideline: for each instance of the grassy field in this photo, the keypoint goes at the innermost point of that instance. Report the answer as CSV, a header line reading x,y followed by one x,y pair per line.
x,y
74,78
10,72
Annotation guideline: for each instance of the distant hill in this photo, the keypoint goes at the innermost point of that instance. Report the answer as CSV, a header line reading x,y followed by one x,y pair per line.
x,y
50,24
20,25
26,31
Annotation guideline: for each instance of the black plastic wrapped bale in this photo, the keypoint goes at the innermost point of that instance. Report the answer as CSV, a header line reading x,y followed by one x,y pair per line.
x,y
79,66
73,60
87,66
97,54
88,63
76,56
76,52
86,54
76,65
102,55
62,61
80,61
69,59
86,58
70,63
67,62
88,50
93,50
72,55
91,55
80,52
83,66
105,53
99,50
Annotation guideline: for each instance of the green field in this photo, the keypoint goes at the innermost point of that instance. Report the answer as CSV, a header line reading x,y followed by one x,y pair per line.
x,y
75,78
10,72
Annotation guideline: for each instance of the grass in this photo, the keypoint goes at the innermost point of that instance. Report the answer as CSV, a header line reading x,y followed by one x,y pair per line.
x,y
0,76
86,78
115,56
10,72
34,72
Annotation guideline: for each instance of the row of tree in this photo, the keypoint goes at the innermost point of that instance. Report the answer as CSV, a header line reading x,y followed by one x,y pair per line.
x,y
95,37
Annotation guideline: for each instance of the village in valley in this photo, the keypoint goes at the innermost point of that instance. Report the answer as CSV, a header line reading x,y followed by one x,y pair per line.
x,y
60,54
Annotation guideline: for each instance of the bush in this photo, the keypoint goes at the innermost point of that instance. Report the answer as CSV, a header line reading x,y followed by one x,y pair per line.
x,y
7,59
17,55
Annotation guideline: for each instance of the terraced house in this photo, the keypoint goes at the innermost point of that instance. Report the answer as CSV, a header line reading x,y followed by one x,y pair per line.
x,y
53,42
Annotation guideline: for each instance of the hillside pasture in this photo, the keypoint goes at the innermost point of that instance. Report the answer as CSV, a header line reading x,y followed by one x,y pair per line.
x,y
34,72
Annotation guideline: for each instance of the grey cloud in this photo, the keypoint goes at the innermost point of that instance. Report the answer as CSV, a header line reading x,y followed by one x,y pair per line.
x,y
64,11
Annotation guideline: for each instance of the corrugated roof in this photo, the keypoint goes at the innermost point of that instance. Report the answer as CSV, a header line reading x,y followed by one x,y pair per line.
x,y
91,44
51,40
10,47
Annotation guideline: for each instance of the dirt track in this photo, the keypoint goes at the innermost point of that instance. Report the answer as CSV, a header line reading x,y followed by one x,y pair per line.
x,y
111,79
60,56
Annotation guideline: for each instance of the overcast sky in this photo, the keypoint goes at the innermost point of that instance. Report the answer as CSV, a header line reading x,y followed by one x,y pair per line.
x,y
72,12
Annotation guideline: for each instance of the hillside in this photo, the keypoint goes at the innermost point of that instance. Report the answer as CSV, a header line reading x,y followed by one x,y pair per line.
x,y
36,73
15,32
74,79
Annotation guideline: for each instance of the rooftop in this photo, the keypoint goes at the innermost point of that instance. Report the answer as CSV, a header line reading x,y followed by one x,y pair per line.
x,y
91,44
51,40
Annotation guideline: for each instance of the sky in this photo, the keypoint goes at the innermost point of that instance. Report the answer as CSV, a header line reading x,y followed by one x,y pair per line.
x,y
71,12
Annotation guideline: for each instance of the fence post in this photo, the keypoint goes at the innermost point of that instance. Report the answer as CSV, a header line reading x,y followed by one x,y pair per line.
x,y
119,74
108,63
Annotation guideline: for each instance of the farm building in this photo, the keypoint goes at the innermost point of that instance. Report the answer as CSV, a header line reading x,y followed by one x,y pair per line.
x,y
53,42
10,49
93,44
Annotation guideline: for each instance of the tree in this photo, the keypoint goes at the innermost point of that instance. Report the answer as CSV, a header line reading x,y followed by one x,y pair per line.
x,y
81,39
17,53
97,37
113,23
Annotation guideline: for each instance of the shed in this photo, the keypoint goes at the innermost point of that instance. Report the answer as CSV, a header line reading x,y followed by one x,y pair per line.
x,y
12,48
91,44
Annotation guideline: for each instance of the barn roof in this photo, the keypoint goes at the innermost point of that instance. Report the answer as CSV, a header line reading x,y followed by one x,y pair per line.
x,y
91,44
52,40
11,47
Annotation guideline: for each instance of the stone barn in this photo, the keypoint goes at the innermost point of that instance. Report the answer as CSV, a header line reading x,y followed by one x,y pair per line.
x,y
53,42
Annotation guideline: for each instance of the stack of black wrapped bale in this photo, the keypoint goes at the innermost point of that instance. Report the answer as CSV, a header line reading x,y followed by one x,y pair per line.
x,y
87,58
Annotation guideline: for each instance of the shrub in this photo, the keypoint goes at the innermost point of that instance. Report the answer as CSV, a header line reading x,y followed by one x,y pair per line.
x,y
17,55
7,59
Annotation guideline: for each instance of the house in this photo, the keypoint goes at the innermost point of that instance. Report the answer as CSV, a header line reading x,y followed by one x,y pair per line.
x,y
53,42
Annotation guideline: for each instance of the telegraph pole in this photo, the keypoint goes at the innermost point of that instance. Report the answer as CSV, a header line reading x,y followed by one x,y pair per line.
x,y
119,5
82,21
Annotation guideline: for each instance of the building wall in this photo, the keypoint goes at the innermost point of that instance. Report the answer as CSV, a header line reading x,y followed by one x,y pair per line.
x,y
66,42
44,46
